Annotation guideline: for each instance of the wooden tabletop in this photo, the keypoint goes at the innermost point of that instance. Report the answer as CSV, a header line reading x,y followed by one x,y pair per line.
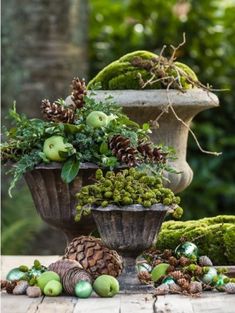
x,y
209,302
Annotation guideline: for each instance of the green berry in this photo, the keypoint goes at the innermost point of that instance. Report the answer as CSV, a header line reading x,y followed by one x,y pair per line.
x,y
23,268
108,194
99,174
37,264
127,200
166,201
104,204
178,212
147,203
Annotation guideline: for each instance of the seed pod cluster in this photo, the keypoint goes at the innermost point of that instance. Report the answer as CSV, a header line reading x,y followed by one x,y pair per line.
x,y
126,187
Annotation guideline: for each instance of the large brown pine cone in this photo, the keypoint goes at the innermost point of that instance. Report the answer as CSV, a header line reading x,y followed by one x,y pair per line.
x,y
94,256
122,149
57,112
61,267
72,277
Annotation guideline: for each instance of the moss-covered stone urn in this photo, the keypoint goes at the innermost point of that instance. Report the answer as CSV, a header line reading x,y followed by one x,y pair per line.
x,y
151,87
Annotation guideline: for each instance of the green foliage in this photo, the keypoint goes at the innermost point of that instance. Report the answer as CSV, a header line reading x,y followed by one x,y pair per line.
x,y
119,27
20,222
126,187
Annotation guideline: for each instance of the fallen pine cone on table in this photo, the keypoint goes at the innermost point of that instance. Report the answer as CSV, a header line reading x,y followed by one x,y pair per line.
x,y
144,277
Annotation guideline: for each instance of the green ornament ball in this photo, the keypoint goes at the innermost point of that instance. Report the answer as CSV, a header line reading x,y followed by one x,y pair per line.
x,y
33,272
15,274
168,281
143,267
83,289
209,276
187,249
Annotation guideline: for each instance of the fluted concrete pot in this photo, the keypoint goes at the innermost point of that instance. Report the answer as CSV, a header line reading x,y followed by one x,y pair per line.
x,y
55,201
145,105
129,230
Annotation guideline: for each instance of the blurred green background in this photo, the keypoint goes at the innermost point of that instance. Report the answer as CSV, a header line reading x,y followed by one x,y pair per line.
x,y
46,43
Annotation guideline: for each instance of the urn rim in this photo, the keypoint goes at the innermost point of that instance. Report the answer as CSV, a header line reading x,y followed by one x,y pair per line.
x,y
134,208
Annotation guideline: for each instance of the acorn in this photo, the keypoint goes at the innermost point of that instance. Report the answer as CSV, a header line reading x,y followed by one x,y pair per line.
x,y
195,287
204,260
33,292
20,288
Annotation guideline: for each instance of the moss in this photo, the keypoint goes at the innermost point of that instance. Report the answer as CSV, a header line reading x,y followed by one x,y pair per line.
x,y
214,237
130,80
140,53
121,74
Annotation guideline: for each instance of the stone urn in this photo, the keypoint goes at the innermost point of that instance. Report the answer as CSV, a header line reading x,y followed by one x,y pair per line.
x,y
55,201
145,105
129,230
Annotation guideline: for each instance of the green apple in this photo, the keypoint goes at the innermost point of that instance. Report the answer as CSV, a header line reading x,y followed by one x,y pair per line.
x,y
159,270
53,288
106,286
54,147
43,279
97,119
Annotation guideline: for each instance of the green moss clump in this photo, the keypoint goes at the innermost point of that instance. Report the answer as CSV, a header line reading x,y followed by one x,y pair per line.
x,y
215,237
122,74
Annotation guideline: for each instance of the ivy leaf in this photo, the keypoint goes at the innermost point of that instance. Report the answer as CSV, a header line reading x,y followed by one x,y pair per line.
x,y
146,126
104,149
72,129
70,170
124,120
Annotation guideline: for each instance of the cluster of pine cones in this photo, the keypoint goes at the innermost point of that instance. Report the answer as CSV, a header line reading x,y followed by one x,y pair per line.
x,y
144,153
65,111
183,271
86,258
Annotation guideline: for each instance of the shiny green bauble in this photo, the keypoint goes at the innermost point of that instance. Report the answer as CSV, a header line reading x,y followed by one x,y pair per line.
x,y
221,280
15,274
83,289
168,281
33,272
187,249
209,276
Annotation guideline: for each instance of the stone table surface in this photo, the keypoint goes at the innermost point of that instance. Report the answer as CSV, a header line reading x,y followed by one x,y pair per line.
x,y
209,302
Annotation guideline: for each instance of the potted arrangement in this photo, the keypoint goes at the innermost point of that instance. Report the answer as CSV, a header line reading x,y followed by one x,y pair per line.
x,y
59,154
128,207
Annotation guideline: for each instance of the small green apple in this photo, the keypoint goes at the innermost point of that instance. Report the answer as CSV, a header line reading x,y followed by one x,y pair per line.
x,y
106,286
47,276
97,119
54,146
53,288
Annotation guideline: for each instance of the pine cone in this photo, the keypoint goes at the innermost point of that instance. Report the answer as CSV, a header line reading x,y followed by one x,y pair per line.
x,y
195,287
144,277
198,271
57,112
156,262
205,261
94,256
167,253
229,288
173,261
176,275
174,288
183,261
151,154
62,266
162,289
121,148
170,269
72,277
3,284
78,92
10,285
183,283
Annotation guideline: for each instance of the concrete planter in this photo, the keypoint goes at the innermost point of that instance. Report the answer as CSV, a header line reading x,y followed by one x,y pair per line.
x,y
130,230
145,105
